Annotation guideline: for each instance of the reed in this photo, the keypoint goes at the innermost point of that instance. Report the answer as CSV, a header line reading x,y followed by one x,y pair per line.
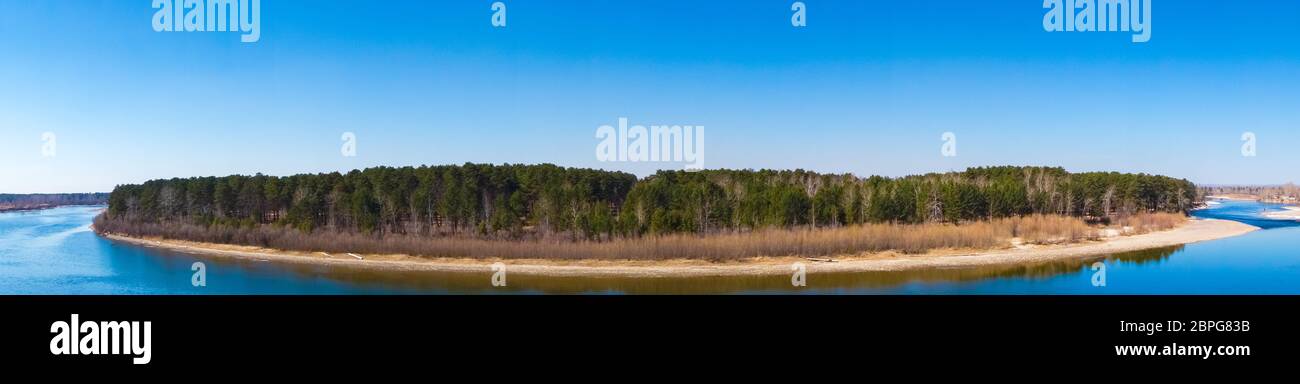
x,y
803,242
1150,222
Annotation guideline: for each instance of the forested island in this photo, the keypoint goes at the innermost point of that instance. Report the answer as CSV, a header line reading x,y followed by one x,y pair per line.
x,y
480,210
27,202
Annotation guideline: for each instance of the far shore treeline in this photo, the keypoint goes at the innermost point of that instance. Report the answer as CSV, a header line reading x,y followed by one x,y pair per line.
x,y
17,202
539,201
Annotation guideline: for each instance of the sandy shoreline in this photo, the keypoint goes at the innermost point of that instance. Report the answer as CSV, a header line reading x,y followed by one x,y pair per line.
x,y
1291,213
1193,231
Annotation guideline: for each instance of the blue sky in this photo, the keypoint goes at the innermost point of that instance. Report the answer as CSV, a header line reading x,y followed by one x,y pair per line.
x,y
867,87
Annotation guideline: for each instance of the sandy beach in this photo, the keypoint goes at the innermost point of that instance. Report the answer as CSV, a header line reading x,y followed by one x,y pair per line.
x,y
1291,213
1193,231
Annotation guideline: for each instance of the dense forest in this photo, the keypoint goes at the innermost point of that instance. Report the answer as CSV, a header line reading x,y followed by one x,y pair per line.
x,y
518,201
708,201
469,199
10,202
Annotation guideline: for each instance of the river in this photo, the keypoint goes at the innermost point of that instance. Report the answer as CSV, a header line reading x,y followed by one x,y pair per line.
x,y
53,251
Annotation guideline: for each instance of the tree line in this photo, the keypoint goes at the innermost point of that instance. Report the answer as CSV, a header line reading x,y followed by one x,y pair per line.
x,y
469,199
1287,193
709,201
47,200
546,200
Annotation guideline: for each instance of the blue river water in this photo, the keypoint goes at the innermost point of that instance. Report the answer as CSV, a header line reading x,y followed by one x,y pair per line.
x,y
54,251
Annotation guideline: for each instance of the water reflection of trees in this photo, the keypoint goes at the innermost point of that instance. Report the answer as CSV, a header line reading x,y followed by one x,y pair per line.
x,y
1150,256
865,282
1035,271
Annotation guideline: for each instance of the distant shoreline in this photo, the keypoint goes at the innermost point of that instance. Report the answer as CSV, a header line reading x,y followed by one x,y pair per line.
x,y
25,209
1234,197
43,207
1193,231
1289,213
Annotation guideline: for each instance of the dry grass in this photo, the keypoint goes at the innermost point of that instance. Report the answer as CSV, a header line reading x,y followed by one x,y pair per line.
x,y
1044,229
821,242
731,246
1150,222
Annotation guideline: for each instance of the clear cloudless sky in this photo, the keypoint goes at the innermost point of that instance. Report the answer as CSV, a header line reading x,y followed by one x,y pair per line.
x,y
868,87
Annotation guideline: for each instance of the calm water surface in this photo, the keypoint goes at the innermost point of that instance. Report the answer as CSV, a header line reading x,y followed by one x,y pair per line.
x,y
54,252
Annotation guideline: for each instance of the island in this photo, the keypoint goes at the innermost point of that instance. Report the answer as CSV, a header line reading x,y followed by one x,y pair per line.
x,y
552,220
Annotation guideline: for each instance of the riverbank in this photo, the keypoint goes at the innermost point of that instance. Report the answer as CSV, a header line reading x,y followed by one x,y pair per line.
x,y
40,201
1191,232
11,208
1290,213
8,208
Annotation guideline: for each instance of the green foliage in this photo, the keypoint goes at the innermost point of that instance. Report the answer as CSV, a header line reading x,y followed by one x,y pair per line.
x,y
473,198
739,200
515,200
